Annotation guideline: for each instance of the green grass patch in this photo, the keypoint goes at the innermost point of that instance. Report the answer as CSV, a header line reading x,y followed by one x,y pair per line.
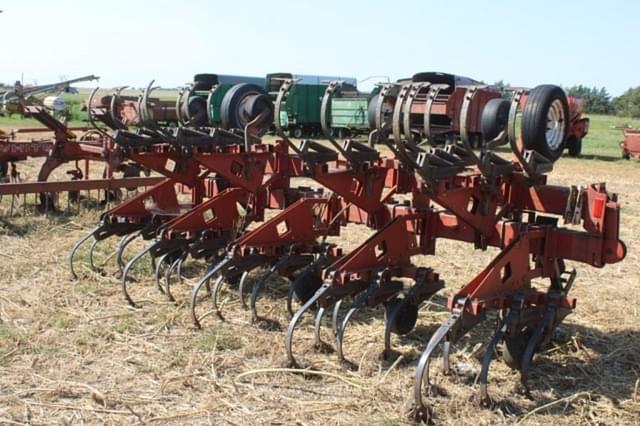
x,y
87,287
127,326
220,342
604,137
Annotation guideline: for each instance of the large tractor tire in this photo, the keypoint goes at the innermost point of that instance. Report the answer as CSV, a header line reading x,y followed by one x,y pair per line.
x,y
545,121
243,103
495,117
204,81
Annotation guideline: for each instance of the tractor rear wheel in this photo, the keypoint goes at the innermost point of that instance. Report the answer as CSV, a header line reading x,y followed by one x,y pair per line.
x,y
545,121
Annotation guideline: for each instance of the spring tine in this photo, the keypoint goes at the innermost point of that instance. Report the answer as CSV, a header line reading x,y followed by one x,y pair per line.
x,y
259,285
125,273
422,411
533,342
167,278
290,299
357,304
152,260
243,282
319,344
214,295
446,350
485,400
205,281
335,317
179,268
124,242
340,335
157,271
92,247
75,248
257,288
296,319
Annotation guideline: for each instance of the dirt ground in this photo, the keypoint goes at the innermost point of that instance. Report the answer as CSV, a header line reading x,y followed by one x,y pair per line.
x,y
73,352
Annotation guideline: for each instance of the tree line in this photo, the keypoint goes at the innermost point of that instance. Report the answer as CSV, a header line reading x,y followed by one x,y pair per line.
x,y
599,101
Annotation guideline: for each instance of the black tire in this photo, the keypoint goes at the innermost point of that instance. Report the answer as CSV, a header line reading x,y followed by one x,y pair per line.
x,y
197,107
495,117
626,156
242,103
204,81
4,168
371,111
535,121
574,146
297,132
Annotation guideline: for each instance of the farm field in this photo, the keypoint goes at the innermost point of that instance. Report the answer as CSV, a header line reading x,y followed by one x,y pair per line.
x,y
73,352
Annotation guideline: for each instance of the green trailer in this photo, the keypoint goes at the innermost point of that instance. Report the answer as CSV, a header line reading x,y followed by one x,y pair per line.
x,y
349,111
300,113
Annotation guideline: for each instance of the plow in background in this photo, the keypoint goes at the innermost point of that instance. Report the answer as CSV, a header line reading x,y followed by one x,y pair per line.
x,y
445,179
66,146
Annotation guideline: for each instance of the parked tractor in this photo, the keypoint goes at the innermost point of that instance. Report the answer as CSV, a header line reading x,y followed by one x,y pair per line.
x,y
579,126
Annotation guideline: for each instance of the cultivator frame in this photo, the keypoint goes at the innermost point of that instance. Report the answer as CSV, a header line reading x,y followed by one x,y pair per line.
x,y
462,191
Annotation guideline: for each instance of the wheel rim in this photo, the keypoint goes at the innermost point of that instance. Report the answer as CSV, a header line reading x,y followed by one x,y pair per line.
x,y
243,114
555,125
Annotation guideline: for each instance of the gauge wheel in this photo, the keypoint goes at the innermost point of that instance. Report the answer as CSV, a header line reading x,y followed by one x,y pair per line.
x,y
545,121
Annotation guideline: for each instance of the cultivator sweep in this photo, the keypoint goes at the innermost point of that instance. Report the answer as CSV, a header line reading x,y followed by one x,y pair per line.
x,y
424,191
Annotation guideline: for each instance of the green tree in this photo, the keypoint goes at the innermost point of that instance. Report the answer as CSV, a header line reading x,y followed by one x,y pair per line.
x,y
598,100
628,104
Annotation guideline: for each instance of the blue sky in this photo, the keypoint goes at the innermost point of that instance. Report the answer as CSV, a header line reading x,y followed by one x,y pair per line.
x,y
132,42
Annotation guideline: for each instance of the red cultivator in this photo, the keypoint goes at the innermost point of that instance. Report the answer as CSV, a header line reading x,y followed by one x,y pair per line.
x,y
461,191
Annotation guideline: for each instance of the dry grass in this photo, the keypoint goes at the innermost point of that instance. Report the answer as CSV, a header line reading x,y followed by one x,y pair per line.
x,y
73,352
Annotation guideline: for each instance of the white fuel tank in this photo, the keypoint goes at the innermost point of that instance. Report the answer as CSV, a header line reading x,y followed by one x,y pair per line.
x,y
54,103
